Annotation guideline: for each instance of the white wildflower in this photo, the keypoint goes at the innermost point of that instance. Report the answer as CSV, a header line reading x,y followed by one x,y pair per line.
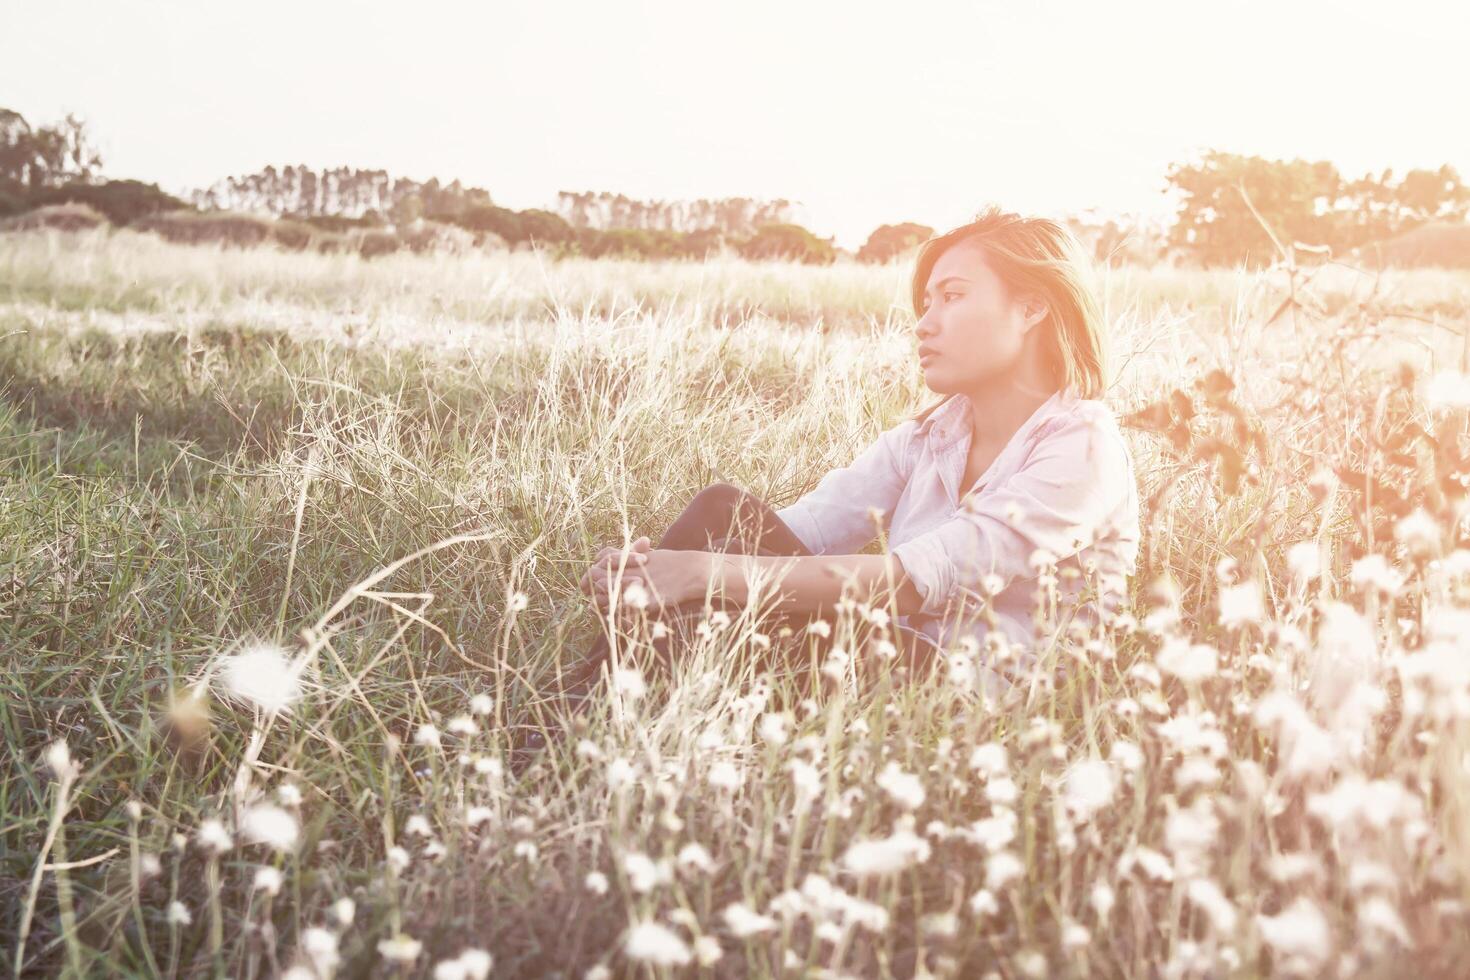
x,y
1153,864
1241,604
1300,930
743,921
270,825
620,773
1031,963
428,735
1207,895
1075,937
58,759
213,836
629,682
990,760
775,727
471,964
983,903
645,874
462,725
1448,389
651,942
178,914
695,855
1002,791
1190,662
264,675
996,831
636,595
1377,915
905,788
807,780
268,880
1126,756
1418,532
1305,561
1089,787
1374,572
725,775
400,949
900,850
1002,868
321,948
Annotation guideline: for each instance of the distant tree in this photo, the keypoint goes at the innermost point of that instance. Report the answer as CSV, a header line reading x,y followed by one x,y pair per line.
x,y
735,216
47,156
1301,202
788,241
887,241
121,201
406,210
301,192
489,219
544,227
1215,224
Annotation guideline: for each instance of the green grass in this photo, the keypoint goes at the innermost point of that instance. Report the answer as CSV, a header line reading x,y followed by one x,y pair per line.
x,y
166,413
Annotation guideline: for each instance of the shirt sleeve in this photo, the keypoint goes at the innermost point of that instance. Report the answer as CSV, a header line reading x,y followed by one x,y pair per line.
x,y
1062,496
832,518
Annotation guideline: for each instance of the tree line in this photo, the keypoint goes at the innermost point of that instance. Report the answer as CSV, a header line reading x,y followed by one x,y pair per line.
x,y
1232,209
1229,201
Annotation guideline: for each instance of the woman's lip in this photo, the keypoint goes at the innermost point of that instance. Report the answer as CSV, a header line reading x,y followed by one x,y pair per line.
x,y
927,357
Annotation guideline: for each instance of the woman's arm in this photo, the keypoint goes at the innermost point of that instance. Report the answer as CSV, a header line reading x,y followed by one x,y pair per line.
x,y
833,518
813,584
784,583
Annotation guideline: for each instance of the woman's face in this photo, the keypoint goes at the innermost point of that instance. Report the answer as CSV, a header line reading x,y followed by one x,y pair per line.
x,y
972,332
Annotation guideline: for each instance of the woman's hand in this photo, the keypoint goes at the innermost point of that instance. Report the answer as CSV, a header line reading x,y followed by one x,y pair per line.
x,y
598,575
666,579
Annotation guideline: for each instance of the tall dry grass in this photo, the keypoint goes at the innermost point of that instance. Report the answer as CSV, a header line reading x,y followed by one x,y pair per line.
x,y
291,541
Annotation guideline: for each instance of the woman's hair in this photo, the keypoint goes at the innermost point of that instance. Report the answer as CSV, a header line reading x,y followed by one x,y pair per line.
x,y
1041,256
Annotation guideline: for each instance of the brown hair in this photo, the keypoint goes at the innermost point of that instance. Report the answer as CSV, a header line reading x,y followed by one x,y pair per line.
x,y
1041,256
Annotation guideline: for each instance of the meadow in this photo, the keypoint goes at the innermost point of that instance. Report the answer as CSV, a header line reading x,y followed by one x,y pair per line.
x,y
291,543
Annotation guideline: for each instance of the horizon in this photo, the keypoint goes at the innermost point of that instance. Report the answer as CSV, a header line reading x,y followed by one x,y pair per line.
x,y
601,113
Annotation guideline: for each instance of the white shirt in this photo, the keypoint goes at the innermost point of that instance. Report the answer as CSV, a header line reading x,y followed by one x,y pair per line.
x,y
1063,484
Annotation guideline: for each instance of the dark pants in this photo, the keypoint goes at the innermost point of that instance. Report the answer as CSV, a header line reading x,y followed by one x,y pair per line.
x,y
720,518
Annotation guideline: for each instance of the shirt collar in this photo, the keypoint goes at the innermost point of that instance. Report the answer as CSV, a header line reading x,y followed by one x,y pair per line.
x,y
941,420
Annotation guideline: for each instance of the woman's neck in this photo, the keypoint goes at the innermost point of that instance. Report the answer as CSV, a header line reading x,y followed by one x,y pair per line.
x,y
997,412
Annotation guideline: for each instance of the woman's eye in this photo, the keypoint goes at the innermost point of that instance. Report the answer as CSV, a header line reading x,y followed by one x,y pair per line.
x,y
948,295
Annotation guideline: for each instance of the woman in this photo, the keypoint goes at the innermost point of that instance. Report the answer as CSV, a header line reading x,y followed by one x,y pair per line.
x,y
1013,493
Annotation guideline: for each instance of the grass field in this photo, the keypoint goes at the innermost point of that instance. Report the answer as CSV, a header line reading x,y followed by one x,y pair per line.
x,y
362,492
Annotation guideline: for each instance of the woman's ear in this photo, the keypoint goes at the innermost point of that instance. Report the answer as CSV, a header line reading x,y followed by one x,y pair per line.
x,y
1034,309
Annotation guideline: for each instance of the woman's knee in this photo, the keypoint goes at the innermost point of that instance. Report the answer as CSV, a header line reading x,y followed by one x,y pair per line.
x,y
717,506
719,497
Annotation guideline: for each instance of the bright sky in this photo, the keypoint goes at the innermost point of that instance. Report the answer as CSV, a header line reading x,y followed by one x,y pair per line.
x,y
866,113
